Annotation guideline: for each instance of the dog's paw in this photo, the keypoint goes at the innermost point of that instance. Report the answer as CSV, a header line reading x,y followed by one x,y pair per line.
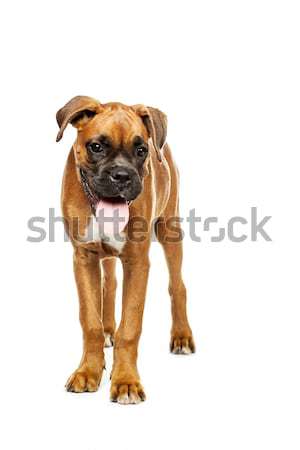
x,y
108,340
182,345
84,380
127,394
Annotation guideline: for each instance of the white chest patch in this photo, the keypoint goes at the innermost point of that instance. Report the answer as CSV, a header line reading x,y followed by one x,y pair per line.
x,y
93,234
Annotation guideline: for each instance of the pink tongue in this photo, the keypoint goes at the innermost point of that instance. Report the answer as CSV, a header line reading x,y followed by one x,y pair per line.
x,y
112,217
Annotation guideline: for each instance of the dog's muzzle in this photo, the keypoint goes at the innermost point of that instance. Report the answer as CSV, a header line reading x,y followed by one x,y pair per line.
x,y
117,182
110,194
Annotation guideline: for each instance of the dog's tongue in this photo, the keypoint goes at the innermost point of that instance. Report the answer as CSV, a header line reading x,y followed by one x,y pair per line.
x,y
112,217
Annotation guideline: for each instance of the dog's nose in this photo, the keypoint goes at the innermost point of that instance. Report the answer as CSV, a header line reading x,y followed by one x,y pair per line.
x,y
120,176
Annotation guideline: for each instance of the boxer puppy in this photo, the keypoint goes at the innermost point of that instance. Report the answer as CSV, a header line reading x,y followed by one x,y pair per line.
x,y
120,169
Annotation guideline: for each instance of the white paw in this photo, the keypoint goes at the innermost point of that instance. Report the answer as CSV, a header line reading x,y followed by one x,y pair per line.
x,y
108,340
182,346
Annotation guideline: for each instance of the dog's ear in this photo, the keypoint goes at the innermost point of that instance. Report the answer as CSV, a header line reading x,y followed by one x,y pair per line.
x,y
78,111
156,124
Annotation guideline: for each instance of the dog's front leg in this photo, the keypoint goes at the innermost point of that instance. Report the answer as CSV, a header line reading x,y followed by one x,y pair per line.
x,y
87,274
125,384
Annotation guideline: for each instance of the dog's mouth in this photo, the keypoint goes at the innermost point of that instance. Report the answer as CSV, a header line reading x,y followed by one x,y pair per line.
x,y
112,213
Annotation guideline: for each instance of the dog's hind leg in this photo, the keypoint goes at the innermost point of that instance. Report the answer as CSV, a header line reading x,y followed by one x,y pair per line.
x,y
181,334
168,232
109,294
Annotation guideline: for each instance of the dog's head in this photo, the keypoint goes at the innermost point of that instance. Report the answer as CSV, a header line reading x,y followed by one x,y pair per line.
x,y
113,144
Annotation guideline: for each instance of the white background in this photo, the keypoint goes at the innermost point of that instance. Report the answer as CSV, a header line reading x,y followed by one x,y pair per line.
x,y
227,75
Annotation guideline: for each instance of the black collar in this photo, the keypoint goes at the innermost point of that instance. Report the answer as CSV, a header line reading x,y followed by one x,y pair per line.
x,y
93,200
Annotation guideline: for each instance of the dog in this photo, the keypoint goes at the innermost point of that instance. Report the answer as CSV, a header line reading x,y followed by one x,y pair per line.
x,y
120,163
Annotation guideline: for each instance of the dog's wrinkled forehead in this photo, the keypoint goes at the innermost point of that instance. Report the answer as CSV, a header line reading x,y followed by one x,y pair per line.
x,y
120,124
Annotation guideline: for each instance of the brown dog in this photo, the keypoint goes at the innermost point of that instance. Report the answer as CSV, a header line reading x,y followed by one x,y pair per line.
x,y
119,162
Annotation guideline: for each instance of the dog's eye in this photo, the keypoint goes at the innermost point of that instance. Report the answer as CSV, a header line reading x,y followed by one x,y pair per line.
x,y
141,151
95,147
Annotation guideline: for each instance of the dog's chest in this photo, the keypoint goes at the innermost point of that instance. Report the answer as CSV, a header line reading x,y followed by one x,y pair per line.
x,y
93,234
